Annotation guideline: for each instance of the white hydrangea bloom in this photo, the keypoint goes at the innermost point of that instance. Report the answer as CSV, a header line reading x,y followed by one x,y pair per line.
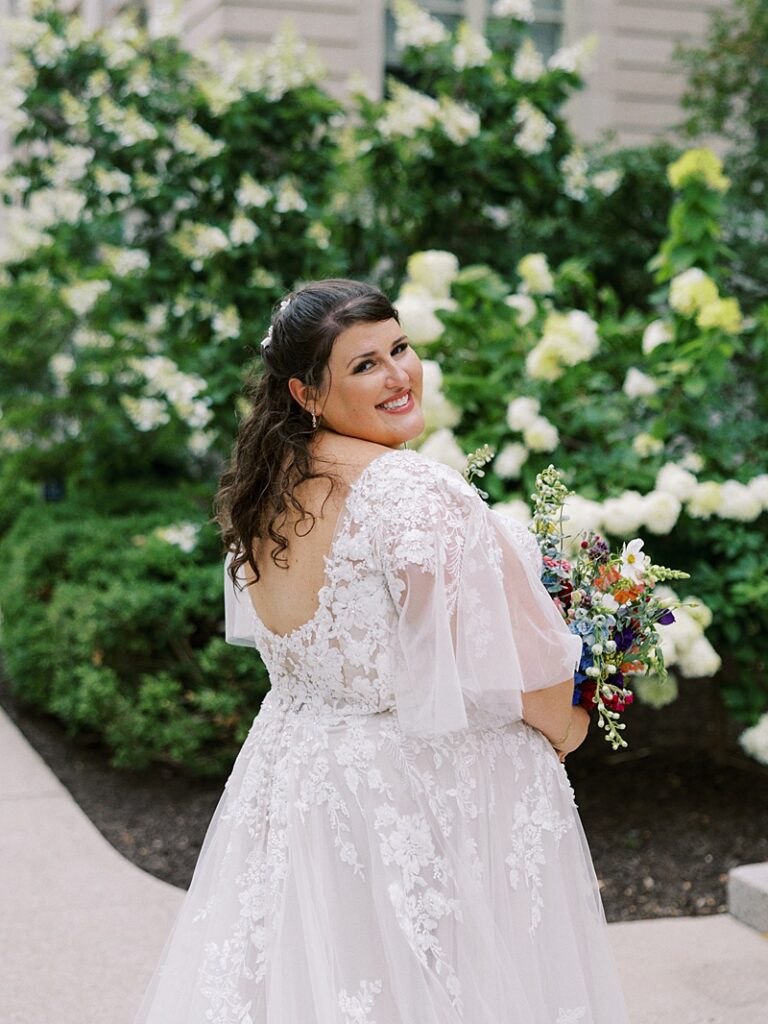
x,y
607,181
242,230
576,59
644,444
758,485
438,411
654,690
661,510
535,274
251,193
199,442
541,436
288,197
416,307
458,120
109,181
433,269
535,129
738,501
86,337
122,261
524,306
20,237
145,413
754,740
692,461
521,412
226,323
181,535
82,296
522,10
516,509
46,206
623,515
676,480
568,339
528,65
698,611
442,445
287,63
61,365
471,49
68,163
659,332
509,461
199,242
415,27
691,290
705,500
192,139
407,112
575,170
638,384
166,19
699,659
498,215
543,361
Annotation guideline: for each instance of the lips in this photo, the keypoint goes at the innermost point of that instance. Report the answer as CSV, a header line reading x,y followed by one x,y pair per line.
x,y
397,397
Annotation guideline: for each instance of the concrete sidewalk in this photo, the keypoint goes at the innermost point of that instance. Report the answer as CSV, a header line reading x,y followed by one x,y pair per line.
x,y
81,928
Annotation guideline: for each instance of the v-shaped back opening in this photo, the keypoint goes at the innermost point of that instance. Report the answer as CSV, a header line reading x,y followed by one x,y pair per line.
x,y
327,558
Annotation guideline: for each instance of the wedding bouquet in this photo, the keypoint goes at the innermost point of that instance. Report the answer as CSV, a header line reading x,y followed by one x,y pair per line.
x,y
606,599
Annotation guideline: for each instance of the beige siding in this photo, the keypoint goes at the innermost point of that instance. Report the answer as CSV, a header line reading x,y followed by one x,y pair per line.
x,y
636,85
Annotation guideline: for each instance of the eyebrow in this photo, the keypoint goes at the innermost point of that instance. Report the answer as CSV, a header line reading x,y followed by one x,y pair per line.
x,y
362,355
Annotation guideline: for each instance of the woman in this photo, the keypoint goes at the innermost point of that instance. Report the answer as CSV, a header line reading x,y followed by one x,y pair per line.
x,y
397,842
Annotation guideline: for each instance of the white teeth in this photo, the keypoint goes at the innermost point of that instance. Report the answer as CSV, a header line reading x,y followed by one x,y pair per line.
x,y
398,404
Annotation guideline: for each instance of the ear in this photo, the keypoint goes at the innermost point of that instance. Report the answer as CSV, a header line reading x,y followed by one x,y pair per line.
x,y
302,393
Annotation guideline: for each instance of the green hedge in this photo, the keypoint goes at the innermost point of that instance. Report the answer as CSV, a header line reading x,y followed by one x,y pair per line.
x,y
120,635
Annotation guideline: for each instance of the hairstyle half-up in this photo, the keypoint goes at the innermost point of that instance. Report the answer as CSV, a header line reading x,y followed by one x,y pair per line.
x,y
271,454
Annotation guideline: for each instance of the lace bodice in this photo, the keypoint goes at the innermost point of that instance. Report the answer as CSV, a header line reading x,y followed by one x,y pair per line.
x,y
416,558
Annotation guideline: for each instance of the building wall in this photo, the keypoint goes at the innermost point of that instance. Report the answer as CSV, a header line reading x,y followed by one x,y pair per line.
x,y
634,87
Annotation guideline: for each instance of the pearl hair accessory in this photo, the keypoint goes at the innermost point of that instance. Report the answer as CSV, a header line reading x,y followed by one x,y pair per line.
x,y
268,336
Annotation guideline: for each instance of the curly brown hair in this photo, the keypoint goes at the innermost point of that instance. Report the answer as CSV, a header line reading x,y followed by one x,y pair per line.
x,y
271,454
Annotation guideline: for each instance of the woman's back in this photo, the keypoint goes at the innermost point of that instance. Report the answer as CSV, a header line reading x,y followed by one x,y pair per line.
x,y
286,598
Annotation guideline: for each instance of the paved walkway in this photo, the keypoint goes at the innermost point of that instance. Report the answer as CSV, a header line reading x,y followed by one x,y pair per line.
x,y
81,928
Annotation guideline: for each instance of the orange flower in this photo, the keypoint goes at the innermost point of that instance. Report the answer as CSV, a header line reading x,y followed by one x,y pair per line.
x,y
607,575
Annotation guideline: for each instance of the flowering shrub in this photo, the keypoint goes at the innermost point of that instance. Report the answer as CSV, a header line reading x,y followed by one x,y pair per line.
x,y
657,421
156,206
472,154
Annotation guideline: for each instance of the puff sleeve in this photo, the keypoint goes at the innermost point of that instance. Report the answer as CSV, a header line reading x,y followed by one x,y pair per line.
x,y
475,625
238,617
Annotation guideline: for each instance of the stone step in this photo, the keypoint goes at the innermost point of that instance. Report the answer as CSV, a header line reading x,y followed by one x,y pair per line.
x,y
748,895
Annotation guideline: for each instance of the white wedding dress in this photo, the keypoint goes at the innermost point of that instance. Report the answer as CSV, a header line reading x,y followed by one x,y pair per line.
x,y
394,844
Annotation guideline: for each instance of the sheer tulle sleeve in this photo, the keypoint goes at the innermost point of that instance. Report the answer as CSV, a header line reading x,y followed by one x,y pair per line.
x,y
476,627
238,617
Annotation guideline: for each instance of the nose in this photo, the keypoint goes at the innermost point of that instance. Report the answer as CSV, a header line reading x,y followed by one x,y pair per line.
x,y
397,375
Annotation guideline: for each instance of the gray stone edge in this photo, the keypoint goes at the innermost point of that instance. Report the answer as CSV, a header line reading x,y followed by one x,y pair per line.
x,y
748,895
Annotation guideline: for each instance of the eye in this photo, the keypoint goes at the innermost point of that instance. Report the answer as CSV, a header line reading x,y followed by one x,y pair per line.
x,y
400,347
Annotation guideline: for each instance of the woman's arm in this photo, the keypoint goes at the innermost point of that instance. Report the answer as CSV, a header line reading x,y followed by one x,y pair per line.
x,y
551,712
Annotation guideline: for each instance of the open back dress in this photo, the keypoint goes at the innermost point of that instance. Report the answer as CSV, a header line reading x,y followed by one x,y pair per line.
x,y
394,844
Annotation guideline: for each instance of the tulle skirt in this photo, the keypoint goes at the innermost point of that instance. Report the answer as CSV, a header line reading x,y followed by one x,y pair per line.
x,y
351,875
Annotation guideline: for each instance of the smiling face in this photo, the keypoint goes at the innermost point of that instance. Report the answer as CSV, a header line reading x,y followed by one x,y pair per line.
x,y
370,364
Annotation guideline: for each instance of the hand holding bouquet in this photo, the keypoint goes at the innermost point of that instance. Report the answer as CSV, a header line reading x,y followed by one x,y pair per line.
x,y
606,599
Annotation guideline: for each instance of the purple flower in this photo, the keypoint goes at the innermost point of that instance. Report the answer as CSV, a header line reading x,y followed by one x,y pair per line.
x,y
666,617
624,638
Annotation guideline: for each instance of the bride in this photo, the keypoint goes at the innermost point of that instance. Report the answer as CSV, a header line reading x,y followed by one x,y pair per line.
x,y
397,842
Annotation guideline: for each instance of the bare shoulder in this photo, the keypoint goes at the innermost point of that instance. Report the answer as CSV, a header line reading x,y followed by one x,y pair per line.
x,y
346,456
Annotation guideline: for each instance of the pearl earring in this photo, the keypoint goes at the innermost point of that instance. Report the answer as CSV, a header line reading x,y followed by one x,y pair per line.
x,y
314,421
